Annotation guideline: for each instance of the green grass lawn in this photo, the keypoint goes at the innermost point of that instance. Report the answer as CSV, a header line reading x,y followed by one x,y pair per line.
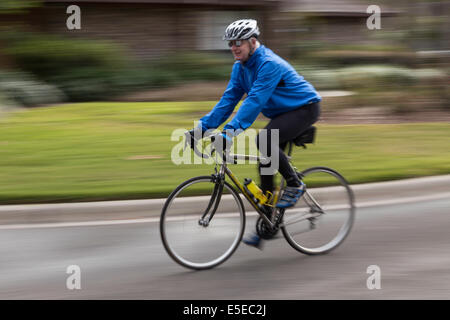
x,y
83,152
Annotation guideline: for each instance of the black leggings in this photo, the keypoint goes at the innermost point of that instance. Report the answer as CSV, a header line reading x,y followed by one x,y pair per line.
x,y
290,125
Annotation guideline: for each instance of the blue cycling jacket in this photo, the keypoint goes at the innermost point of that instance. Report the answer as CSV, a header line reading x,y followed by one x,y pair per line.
x,y
272,85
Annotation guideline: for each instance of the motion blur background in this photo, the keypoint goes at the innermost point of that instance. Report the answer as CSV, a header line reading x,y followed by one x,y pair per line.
x,y
129,45
88,114
153,51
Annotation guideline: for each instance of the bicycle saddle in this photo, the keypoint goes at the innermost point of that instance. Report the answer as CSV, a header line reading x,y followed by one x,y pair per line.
x,y
305,137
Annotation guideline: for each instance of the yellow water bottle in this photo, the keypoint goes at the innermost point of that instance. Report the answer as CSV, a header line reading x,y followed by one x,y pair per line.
x,y
252,188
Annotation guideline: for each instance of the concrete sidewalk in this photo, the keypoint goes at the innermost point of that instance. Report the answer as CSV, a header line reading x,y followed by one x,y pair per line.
x,y
365,194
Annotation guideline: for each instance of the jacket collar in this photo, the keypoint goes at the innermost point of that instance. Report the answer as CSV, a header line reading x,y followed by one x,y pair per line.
x,y
252,60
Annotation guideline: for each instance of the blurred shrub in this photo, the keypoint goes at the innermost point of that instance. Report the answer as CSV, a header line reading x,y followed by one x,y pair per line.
x,y
84,70
196,66
370,76
385,76
321,79
87,70
24,89
355,57
375,75
332,55
174,69
5,105
48,55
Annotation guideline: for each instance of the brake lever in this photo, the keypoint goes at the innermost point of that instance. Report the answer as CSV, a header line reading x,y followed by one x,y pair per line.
x,y
193,144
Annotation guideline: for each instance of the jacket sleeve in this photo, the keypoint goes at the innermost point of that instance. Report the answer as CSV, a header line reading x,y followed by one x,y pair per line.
x,y
223,109
267,79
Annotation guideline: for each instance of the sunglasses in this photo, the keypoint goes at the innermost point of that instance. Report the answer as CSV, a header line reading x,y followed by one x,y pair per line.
x,y
237,43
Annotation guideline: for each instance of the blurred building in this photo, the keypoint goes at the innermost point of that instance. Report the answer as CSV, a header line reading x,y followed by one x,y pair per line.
x,y
338,21
153,27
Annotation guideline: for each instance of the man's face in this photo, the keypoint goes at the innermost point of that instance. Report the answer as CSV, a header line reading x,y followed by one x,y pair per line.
x,y
241,53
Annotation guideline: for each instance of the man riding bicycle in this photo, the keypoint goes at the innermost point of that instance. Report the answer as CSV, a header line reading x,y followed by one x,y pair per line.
x,y
276,90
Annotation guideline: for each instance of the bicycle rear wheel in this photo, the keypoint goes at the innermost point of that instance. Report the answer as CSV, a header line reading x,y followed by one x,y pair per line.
x,y
187,239
324,216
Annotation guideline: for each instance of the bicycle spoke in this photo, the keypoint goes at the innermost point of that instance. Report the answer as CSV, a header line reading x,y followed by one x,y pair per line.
x,y
303,217
315,206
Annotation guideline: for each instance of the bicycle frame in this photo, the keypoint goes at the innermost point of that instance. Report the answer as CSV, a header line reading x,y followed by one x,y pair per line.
x,y
217,192
224,170
241,187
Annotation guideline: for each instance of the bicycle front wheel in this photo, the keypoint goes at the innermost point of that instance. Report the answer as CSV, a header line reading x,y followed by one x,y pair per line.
x,y
186,232
324,216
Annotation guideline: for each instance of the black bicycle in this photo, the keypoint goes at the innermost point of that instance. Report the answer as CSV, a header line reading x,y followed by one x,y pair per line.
x,y
204,231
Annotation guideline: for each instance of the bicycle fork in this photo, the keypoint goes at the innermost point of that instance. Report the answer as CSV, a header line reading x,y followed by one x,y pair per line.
x,y
214,201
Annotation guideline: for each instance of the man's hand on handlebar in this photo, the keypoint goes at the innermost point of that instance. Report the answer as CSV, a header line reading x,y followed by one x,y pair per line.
x,y
193,136
221,141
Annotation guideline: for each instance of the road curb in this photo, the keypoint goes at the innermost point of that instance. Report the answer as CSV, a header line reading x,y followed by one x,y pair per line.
x,y
136,209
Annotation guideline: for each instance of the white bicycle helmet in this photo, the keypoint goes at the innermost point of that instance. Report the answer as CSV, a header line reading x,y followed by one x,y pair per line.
x,y
241,30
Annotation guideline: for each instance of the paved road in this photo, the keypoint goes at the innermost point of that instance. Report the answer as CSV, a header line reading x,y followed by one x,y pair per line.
x,y
409,242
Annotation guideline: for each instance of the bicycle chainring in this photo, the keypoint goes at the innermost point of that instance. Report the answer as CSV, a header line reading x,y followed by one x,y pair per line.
x,y
264,230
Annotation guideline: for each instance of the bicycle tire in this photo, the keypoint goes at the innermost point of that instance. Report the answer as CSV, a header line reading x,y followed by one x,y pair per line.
x,y
347,207
169,247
